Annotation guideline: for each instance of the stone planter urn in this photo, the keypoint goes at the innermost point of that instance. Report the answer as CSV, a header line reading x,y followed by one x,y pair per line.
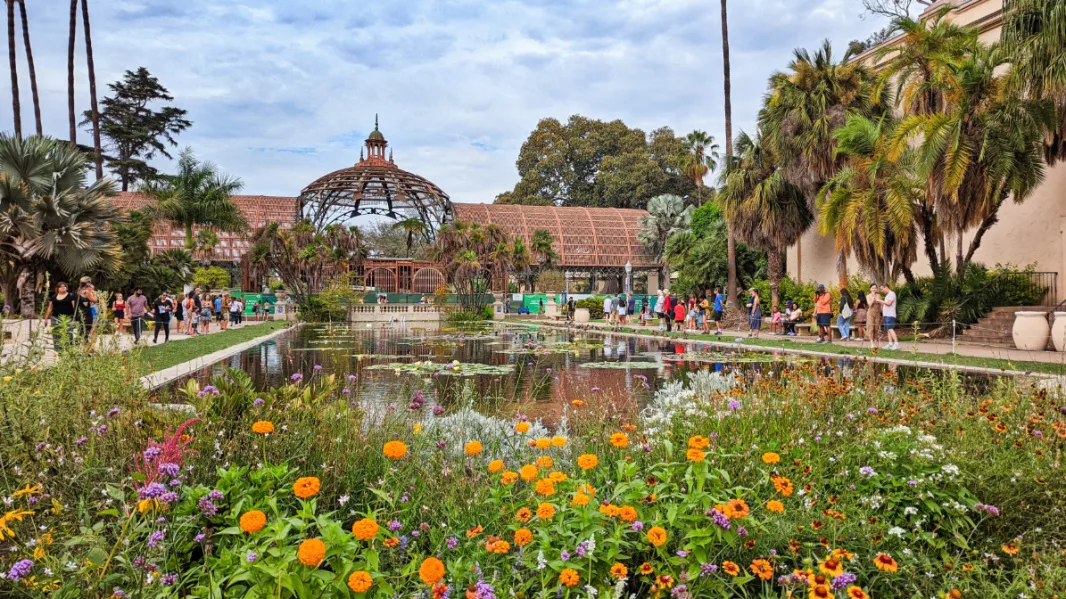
x,y
581,315
1058,331
551,309
1031,330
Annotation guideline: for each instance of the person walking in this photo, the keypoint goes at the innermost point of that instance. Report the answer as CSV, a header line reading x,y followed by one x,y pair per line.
x,y
118,310
179,312
823,314
61,311
873,316
138,304
719,310
205,314
86,301
668,311
223,312
192,315
219,315
888,310
235,311
659,308
754,314
164,306
847,310
859,318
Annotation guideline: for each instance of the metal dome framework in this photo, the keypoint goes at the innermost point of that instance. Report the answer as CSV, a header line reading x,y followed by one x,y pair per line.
x,y
375,186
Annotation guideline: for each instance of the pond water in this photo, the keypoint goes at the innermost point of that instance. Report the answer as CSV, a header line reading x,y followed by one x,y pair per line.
x,y
535,371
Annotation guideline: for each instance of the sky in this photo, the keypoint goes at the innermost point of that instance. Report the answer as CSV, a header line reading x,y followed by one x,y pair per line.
x,y
282,92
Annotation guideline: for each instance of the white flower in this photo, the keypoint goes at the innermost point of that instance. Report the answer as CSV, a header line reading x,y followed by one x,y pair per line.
x,y
343,499
896,531
541,561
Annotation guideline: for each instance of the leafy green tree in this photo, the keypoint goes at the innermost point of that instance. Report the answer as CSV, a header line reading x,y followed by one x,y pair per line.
x,y
53,221
587,162
768,212
197,196
667,214
213,277
699,254
135,131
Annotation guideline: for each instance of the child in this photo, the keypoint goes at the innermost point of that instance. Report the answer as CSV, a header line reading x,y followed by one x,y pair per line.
x,y
776,327
679,315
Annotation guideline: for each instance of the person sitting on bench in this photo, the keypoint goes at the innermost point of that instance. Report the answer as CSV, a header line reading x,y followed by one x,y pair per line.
x,y
792,317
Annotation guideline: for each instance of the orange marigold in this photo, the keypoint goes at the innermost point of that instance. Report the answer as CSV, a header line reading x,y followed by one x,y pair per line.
x,y
730,568
263,427
523,537
545,511
619,570
855,592
620,440
306,487
884,562
557,477
521,427
646,568
431,571
253,521
360,581
770,458
580,499
698,442
311,552
365,529
558,441
545,487
495,466
392,542
627,513
545,461
695,455
528,472
395,450
523,514
783,485
762,569
569,577
472,448
657,536
775,506
587,461
736,508
543,443
473,532
495,545
508,477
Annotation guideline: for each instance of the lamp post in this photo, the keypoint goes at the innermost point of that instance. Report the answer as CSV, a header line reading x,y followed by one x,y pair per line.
x,y
629,277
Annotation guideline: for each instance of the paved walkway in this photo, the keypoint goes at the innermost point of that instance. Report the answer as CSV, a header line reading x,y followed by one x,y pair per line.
x,y
808,345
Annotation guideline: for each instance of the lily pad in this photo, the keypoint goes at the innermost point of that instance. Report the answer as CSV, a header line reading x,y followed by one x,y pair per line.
x,y
734,358
621,365
455,368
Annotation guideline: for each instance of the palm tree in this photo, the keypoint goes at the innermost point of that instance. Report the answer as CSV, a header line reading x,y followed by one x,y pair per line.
x,y
411,227
14,69
805,104
197,196
702,158
51,218
204,245
768,212
33,70
731,242
95,109
543,255
870,205
667,214
1034,34
70,71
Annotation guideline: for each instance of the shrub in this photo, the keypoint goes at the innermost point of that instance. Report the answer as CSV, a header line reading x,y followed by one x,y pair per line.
x,y
594,305
211,278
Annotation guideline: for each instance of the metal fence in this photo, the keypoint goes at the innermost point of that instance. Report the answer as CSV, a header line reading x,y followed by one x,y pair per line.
x,y
1032,284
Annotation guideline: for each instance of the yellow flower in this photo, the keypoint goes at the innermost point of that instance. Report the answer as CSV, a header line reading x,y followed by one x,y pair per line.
x,y
831,566
394,450
619,440
775,506
472,448
558,441
522,427
495,466
557,477
770,458
730,568
311,552
27,490
416,427
360,581
587,461
263,427
543,443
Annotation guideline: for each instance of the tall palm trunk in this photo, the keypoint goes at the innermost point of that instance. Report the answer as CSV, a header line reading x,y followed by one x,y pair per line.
x,y
97,151
14,67
773,268
731,240
70,71
33,70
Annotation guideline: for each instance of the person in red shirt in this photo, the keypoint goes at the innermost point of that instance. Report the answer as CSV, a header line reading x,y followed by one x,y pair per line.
x,y
668,311
823,313
679,315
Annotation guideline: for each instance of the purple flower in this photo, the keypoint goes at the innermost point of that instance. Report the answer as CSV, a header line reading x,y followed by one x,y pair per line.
x,y
595,389
152,491
297,377
170,469
395,525
216,495
867,471
20,569
637,526
841,582
199,538
168,580
682,553
452,542
40,446
169,498
441,444
207,507
252,556
114,412
988,509
351,378
719,518
175,482
81,441
404,498
708,569
564,555
871,410
118,593
346,391
734,405
156,538
582,548
438,410
100,431
259,401
152,453
741,531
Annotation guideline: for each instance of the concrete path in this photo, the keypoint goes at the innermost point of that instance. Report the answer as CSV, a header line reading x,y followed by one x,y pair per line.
x,y
808,346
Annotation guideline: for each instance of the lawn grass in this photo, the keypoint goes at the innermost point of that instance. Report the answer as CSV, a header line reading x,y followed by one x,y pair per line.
x,y
906,354
173,353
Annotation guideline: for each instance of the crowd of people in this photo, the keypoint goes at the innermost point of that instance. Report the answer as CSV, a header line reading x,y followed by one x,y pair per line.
x,y
76,316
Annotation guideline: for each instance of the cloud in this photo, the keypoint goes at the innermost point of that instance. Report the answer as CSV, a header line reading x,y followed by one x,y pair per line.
x,y
282,92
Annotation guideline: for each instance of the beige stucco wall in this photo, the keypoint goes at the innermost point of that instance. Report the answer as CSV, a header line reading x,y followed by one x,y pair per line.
x,y
1027,233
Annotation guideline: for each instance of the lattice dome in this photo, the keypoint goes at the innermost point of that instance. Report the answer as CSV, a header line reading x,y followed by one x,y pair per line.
x,y
375,186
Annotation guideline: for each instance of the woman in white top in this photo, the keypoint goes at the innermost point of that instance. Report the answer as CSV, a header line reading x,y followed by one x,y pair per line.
x,y
659,308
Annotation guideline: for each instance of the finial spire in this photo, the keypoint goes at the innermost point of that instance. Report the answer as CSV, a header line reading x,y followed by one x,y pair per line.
x,y
375,121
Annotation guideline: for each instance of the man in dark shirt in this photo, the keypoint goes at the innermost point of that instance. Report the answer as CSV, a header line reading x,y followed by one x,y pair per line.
x,y
163,308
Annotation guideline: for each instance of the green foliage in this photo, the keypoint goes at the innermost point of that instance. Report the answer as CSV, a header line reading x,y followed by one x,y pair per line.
x,y
135,131
587,162
594,306
213,277
700,255
965,298
551,281
801,293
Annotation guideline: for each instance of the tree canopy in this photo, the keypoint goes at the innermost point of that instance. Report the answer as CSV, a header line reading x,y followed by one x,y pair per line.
x,y
592,163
